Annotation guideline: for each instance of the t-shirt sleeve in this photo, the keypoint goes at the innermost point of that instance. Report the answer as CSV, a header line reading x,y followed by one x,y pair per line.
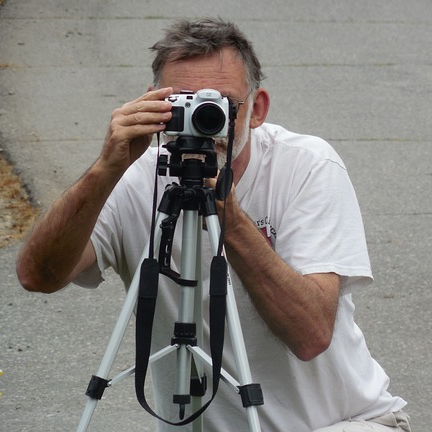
x,y
322,230
106,240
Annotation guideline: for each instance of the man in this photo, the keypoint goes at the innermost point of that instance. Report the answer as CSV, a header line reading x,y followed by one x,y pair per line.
x,y
294,240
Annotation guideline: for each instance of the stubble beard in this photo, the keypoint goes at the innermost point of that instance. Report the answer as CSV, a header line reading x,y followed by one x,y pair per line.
x,y
239,144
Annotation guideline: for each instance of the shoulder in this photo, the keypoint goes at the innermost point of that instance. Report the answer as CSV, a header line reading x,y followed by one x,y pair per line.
x,y
280,143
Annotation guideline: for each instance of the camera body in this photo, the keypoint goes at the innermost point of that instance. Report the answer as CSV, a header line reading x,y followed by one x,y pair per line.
x,y
201,114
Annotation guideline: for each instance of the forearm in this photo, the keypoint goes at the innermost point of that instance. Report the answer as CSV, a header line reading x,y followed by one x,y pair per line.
x,y
59,247
300,310
57,243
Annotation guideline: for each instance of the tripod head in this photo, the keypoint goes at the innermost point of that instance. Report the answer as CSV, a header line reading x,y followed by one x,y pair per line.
x,y
191,171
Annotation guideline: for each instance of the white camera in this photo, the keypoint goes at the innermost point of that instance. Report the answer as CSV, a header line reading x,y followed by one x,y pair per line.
x,y
201,114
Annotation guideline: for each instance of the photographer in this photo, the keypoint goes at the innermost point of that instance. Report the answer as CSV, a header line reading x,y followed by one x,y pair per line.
x,y
294,240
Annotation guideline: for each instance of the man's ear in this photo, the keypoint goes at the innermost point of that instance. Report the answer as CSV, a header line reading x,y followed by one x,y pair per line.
x,y
260,108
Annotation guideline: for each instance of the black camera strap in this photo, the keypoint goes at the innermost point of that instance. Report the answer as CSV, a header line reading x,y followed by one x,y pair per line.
x,y
225,177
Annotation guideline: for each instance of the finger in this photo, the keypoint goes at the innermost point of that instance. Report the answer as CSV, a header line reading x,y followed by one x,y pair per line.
x,y
149,101
145,118
155,95
144,106
128,133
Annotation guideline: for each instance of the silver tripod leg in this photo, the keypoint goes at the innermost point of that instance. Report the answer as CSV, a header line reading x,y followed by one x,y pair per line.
x,y
187,301
118,332
234,328
198,424
190,296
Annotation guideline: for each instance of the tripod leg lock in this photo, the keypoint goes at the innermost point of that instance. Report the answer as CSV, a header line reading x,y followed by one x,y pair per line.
x,y
184,334
96,387
251,395
198,387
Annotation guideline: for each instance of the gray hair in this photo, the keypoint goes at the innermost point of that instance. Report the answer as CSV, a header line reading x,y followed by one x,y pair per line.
x,y
188,39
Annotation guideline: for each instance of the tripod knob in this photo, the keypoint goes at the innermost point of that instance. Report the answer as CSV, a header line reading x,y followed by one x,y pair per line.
x,y
162,165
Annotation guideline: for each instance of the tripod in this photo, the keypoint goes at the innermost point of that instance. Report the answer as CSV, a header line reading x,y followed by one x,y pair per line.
x,y
195,202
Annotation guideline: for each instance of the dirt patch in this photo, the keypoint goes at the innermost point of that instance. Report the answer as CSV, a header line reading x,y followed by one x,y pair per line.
x,y
17,214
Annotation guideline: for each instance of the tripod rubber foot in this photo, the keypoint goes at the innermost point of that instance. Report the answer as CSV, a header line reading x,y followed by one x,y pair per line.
x,y
182,400
182,410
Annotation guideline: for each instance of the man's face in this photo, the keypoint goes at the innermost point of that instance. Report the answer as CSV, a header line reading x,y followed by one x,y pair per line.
x,y
224,72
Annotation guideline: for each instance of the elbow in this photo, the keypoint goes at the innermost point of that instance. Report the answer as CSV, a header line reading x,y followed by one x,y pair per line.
x,y
30,280
30,287
316,346
34,285
309,353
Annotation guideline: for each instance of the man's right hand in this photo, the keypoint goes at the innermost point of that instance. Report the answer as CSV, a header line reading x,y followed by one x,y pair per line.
x,y
132,127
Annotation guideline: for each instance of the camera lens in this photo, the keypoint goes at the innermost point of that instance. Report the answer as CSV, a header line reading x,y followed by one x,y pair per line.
x,y
208,119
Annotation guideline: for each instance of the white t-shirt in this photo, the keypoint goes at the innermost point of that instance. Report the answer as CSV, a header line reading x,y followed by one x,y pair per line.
x,y
297,191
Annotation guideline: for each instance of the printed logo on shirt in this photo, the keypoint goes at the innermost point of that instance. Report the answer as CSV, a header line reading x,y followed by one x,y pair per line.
x,y
267,230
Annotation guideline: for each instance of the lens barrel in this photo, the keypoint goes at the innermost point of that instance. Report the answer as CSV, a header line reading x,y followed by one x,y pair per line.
x,y
208,119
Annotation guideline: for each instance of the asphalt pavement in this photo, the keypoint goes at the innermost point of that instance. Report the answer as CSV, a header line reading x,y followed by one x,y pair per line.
x,y
358,74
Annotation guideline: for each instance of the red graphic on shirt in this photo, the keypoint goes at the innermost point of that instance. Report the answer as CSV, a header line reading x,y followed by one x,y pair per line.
x,y
268,232
264,233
